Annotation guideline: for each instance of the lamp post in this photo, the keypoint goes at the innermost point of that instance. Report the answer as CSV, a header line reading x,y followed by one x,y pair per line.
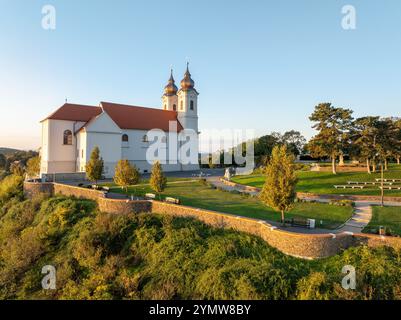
x,y
381,180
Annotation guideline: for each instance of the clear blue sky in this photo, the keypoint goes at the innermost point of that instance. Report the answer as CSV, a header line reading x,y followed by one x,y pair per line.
x,y
257,64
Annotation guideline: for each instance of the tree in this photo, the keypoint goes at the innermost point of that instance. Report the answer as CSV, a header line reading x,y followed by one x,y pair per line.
x,y
158,181
279,189
126,174
333,125
33,166
3,161
294,140
17,169
94,167
363,136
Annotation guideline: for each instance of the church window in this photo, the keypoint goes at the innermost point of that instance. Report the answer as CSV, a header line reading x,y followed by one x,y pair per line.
x,y
182,105
124,138
174,107
164,139
67,137
145,138
191,105
165,107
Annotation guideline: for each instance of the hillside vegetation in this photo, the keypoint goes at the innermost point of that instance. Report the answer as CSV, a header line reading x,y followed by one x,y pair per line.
x,y
129,256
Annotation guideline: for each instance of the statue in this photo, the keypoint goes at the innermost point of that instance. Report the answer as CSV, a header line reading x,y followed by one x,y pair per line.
x,y
227,174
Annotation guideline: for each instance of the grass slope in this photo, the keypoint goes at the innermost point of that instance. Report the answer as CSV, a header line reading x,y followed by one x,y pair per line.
x,y
196,194
388,217
323,182
130,256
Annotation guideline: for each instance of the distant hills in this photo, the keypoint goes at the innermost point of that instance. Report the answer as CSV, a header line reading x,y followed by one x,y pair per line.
x,y
8,151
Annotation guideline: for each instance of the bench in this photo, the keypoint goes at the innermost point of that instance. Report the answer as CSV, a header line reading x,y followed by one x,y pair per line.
x,y
349,186
150,196
389,180
391,188
172,200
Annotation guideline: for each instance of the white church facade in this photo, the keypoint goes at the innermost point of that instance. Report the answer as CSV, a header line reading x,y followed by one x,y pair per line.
x,y
124,132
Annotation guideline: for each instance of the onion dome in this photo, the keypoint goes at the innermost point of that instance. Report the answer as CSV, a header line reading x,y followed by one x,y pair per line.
x,y
170,89
187,83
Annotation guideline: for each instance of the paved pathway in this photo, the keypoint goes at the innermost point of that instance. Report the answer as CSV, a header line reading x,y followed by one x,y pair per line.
x,y
359,220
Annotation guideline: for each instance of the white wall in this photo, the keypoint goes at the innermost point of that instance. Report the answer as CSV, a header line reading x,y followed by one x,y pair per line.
x,y
58,157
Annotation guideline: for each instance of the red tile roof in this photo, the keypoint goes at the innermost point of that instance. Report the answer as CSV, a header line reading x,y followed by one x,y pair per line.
x,y
125,116
75,112
140,118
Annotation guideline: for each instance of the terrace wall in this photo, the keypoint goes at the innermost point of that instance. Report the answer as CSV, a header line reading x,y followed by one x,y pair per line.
x,y
308,246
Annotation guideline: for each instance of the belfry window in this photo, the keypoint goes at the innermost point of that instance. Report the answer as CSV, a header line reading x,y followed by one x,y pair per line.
x,y
182,105
67,137
124,138
174,107
191,105
145,138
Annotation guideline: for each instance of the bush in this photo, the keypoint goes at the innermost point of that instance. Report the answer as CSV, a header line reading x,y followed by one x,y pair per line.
x,y
342,203
11,187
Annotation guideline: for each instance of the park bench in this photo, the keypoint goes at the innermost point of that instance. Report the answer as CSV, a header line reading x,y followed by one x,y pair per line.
x,y
172,200
391,187
389,180
345,186
150,196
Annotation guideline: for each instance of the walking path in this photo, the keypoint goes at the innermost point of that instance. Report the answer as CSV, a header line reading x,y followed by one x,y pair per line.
x,y
359,220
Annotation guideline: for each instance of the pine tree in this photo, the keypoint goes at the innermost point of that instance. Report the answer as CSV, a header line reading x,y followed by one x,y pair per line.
x,y
158,181
94,167
333,126
279,189
126,174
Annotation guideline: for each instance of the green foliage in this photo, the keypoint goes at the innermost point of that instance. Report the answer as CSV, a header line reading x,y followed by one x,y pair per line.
x,y
126,174
11,187
158,181
145,256
33,166
333,126
94,167
17,169
3,161
279,189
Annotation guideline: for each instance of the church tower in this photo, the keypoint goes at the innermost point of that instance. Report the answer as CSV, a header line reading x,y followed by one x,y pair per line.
x,y
170,98
188,103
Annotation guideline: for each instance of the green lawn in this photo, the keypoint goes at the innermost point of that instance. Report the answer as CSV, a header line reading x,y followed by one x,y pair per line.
x,y
388,217
323,182
146,181
196,194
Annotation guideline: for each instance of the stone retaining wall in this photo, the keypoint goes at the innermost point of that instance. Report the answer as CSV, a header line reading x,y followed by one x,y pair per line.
x,y
308,246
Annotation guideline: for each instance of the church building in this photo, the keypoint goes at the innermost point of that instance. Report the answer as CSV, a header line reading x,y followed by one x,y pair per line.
x,y
122,132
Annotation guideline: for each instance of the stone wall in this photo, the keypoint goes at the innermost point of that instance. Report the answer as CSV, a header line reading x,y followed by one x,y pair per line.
x,y
78,192
308,246
32,189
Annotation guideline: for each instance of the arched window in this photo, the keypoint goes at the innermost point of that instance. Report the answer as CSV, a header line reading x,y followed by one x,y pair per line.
x,y
67,138
124,138
164,139
182,105
165,107
174,107
145,138
191,106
